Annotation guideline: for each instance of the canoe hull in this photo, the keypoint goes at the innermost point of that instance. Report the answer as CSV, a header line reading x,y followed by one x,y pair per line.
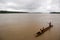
x,y
40,33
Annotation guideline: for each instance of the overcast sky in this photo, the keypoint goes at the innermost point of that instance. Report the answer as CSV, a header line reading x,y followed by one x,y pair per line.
x,y
30,5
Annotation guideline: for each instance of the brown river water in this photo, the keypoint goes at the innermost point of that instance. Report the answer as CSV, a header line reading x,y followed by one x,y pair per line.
x,y
25,26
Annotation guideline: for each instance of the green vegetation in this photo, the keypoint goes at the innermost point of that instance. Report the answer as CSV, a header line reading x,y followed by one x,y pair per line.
x,y
11,12
55,12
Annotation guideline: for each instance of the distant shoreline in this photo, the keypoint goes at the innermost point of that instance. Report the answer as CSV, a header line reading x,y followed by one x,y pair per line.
x,y
54,12
11,12
4,12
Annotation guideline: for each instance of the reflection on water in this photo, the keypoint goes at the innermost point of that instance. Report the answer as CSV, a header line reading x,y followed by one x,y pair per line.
x,y
25,26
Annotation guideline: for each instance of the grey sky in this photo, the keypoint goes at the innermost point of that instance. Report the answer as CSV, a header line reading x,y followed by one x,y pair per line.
x,y
30,5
